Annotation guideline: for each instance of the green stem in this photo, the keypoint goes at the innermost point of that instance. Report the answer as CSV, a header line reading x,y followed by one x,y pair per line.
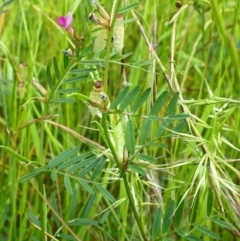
x,y
110,145
225,35
109,45
130,197
131,201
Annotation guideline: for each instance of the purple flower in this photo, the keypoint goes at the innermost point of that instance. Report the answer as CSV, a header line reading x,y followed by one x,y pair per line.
x,y
65,22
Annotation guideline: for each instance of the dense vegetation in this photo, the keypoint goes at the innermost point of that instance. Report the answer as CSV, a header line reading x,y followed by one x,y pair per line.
x,y
119,120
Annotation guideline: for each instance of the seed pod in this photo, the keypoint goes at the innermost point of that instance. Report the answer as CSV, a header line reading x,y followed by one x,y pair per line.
x,y
118,34
178,4
95,96
39,87
100,41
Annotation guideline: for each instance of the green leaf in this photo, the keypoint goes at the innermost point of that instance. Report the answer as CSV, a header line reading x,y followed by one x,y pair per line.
x,y
88,167
16,155
157,105
167,239
106,194
207,232
104,217
77,166
68,185
4,4
33,219
145,158
141,99
64,236
129,98
63,100
55,207
222,223
145,131
120,97
209,202
172,104
61,158
54,175
82,71
56,68
130,137
180,126
98,168
167,217
73,161
128,7
65,61
101,131
67,91
86,186
137,169
162,127
82,222
191,237
194,209
159,145
89,205
76,79
178,212
33,174
146,63
73,204
156,223
177,117
49,78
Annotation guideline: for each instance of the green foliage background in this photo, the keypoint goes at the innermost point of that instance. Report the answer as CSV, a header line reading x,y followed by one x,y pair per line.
x,y
168,171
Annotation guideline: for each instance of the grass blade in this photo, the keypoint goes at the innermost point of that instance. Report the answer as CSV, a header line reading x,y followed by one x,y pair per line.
x,y
83,222
128,7
63,100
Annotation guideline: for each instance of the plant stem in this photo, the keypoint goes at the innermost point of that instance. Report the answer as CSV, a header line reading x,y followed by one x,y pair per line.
x,y
131,201
109,45
130,197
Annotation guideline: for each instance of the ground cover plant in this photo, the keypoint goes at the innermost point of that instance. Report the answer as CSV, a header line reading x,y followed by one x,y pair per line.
x,y
119,120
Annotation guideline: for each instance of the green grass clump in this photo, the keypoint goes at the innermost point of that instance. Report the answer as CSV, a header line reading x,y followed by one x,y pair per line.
x,y
104,144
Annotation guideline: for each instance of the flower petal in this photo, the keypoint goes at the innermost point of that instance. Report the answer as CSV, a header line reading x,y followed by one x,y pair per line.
x,y
68,20
62,21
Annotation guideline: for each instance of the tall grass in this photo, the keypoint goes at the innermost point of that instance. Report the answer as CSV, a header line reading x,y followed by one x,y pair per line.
x,y
162,161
